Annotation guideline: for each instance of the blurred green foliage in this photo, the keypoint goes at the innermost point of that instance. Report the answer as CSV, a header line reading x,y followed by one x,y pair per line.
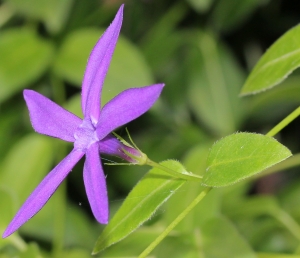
x,y
202,50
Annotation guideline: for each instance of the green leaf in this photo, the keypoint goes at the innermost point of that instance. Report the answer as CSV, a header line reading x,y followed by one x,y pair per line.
x,y
221,239
275,104
73,54
26,164
128,67
214,83
280,60
145,198
24,58
241,155
53,13
133,244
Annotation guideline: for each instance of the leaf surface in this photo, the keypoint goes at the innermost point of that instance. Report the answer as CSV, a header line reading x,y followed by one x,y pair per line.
x,y
280,60
24,58
52,12
241,155
141,203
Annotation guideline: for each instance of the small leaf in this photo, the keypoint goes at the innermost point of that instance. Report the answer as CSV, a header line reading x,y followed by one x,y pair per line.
x,y
241,155
145,198
214,84
52,12
281,59
24,57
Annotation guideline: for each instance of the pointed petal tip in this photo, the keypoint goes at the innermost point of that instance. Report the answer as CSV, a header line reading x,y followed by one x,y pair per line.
x,y
102,220
121,7
119,14
6,234
27,92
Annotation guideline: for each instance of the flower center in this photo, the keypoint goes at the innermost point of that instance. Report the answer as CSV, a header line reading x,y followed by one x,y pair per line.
x,y
85,135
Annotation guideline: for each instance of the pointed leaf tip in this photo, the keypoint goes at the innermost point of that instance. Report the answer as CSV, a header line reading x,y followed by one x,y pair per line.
x,y
279,61
241,155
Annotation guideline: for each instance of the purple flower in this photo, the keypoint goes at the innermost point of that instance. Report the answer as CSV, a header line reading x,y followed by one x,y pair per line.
x,y
90,135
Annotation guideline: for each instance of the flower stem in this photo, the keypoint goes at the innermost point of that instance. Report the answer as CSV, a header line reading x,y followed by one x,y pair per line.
x,y
175,222
289,223
284,122
18,242
186,176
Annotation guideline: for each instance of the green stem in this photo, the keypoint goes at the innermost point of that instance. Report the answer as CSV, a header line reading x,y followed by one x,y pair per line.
x,y
180,217
284,122
289,223
186,176
18,242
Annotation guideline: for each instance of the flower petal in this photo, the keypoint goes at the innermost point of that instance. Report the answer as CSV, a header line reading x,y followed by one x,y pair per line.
x,y
49,118
97,68
43,192
95,184
127,106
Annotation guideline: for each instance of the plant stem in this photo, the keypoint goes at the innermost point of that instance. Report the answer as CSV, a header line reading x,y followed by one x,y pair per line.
x,y
18,242
187,176
180,217
284,122
289,223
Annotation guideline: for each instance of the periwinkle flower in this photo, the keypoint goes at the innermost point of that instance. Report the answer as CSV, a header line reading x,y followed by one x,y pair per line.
x,y
90,135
